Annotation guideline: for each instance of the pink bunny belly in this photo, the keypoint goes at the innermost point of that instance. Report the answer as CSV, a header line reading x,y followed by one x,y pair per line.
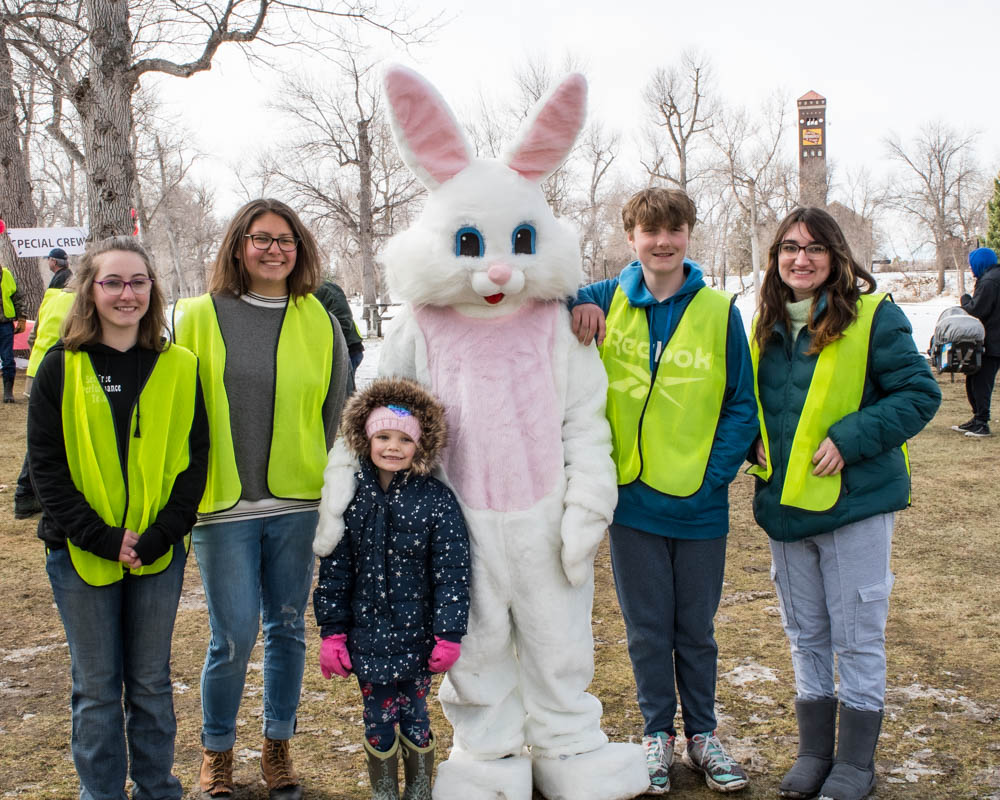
x,y
495,378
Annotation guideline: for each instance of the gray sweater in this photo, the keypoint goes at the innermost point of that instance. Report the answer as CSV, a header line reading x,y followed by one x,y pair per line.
x,y
250,327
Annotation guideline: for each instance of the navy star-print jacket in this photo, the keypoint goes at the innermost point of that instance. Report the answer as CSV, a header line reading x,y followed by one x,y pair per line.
x,y
398,577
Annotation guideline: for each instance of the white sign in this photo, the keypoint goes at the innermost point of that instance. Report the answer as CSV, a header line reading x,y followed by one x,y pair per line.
x,y
37,242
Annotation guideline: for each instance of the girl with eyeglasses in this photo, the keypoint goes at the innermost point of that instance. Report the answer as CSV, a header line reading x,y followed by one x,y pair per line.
x,y
118,453
276,374
840,389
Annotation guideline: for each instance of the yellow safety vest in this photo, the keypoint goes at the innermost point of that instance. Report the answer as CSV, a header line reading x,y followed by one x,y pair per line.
x,y
304,361
7,288
55,307
835,390
129,495
663,425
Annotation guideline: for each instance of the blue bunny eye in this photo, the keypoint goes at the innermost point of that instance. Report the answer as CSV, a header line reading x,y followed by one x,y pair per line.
x,y
523,240
469,242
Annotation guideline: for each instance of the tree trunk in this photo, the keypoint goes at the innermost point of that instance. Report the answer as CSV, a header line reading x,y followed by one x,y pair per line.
x,y
365,224
755,245
103,100
15,188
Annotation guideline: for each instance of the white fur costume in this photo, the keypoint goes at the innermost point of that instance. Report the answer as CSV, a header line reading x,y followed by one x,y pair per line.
x,y
528,454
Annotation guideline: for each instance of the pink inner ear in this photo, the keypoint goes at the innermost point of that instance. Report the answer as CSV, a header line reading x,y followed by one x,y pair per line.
x,y
553,132
427,125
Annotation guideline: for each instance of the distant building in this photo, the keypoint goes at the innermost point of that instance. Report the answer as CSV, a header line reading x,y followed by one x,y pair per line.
x,y
812,149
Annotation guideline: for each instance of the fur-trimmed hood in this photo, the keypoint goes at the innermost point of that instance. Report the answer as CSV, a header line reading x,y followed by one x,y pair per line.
x,y
401,392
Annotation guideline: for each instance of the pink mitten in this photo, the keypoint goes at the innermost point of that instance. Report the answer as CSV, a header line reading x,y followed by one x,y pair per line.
x,y
444,655
333,657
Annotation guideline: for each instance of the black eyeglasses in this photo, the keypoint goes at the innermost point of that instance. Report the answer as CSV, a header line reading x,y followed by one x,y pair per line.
x,y
115,286
813,249
262,241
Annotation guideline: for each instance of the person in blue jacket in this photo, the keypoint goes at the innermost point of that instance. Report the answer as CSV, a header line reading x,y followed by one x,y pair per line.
x,y
841,387
681,408
392,600
984,304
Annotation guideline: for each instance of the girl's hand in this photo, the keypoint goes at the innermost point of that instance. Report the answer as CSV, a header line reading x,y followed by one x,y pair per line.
x,y
127,554
827,459
444,655
333,656
761,453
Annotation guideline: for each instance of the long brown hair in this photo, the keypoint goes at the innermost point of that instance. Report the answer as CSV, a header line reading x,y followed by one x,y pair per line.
x,y
229,276
842,286
83,325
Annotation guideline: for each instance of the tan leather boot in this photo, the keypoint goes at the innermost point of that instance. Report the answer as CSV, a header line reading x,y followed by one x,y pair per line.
x,y
276,768
216,777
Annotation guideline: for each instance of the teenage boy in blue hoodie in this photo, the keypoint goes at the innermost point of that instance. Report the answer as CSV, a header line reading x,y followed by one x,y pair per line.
x,y
683,415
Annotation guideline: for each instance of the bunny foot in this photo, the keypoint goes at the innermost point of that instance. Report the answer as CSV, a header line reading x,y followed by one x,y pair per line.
x,y
498,779
615,771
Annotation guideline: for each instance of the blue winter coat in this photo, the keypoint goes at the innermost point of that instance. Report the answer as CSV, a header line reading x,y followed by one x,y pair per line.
x,y
398,577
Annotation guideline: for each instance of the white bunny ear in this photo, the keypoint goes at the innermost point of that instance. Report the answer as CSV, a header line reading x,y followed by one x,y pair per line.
x,y
547,136
430,140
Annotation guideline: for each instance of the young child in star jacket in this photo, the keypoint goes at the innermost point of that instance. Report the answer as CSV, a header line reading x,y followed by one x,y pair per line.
x,y
392,600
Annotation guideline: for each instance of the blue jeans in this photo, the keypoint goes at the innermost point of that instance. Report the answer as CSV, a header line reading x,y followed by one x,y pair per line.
x,y
119,636
7,349
669,591
251,569
833,592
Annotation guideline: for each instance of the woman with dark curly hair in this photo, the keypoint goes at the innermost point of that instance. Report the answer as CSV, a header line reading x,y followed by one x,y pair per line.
x,y
840,388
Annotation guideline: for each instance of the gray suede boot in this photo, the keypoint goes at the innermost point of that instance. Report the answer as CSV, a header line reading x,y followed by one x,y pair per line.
x,y
383,771
8,389
817,731
853,773
418,766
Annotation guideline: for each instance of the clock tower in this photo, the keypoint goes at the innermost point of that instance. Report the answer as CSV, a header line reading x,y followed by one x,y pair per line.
x,y
812,149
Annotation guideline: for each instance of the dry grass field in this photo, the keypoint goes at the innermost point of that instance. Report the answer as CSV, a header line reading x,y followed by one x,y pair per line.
x,y
942,731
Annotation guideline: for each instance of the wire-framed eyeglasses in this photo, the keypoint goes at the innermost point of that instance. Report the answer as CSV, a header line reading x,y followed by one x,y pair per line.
x,y
813,249
115,286
262,241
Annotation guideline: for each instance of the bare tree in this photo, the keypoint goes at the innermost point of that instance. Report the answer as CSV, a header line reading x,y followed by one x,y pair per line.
x,y
95,52
347,170
15,184
682,114
749,148
938,163
598,151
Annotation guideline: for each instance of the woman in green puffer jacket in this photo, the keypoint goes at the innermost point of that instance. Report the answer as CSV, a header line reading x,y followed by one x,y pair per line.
x,y
840,388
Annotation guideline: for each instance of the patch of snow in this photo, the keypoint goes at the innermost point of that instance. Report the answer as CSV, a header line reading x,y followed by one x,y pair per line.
x,y
26,654
750,672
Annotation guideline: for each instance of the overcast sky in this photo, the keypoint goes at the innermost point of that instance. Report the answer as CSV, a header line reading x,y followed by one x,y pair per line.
x,y
883,65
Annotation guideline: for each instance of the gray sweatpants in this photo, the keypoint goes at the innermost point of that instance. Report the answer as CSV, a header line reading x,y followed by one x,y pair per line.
x,y
833,590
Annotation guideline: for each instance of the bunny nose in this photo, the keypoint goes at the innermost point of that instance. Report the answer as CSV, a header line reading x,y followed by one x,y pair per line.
x,y
498,273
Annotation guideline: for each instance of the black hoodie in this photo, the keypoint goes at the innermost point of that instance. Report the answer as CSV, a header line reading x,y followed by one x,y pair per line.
x,y
65,511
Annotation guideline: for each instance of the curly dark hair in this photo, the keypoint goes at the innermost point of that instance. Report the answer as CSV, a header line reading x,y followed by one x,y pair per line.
x,y
842,287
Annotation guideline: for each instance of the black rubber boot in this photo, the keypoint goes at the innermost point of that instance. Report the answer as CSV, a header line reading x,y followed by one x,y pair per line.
x,y
853,773
817,731
8,389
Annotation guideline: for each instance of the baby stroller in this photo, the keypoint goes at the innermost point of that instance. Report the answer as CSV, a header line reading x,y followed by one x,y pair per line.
x,y
957,343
